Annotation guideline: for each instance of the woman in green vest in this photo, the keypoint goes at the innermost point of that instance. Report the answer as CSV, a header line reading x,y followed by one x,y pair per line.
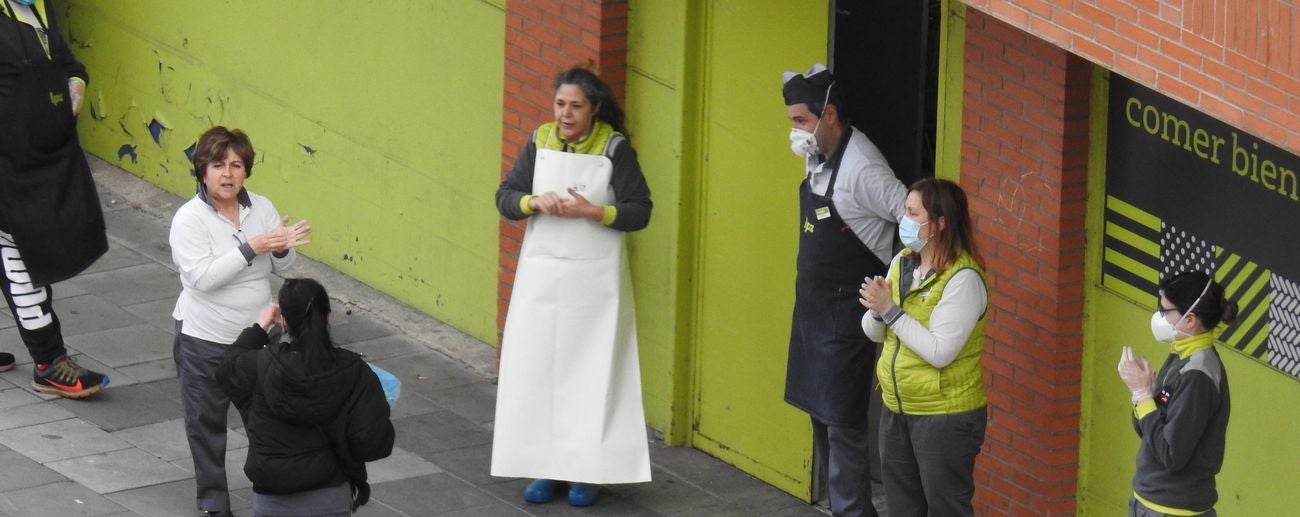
x,y
930,312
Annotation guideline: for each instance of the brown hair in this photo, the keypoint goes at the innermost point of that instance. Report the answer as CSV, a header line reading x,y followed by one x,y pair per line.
x,y
943,199
215,143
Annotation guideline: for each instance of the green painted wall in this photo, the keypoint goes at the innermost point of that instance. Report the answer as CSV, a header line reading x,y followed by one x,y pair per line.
x,y
1262,461
657,89
399,103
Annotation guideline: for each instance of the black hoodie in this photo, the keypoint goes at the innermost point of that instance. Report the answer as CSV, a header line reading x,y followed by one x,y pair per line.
x,y
305,431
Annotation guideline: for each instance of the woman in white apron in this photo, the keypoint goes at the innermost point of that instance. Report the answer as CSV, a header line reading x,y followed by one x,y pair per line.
x,y
569,388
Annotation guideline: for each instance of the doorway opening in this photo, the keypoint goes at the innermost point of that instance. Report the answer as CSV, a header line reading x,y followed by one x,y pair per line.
x,y
885,53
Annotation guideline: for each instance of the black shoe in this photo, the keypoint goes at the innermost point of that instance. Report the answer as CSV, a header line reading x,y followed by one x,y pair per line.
x,y
65,378
218,513
6,361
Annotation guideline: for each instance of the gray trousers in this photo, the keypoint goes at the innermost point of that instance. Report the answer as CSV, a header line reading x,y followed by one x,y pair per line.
x,y
928,462
843,452
206,405
1136,509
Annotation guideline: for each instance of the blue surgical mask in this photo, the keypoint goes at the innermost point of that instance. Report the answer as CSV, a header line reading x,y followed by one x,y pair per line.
x,y
909,232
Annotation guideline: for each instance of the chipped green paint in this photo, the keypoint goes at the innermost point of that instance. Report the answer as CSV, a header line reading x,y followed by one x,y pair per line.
x,y
380,122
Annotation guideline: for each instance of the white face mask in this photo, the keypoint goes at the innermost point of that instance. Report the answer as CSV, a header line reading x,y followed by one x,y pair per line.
x,y
1162,330
804,144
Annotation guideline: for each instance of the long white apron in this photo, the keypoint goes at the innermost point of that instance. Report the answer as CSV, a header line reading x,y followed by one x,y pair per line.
x,y
569,386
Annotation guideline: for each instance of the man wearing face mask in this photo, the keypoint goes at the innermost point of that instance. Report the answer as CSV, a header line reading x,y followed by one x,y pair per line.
x,y
1181,413
849,205
51,226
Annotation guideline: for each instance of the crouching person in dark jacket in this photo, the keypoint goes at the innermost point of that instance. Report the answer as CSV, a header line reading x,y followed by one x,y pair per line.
x,y
314,413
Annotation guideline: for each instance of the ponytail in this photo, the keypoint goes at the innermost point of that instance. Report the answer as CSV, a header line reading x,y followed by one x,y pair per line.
x,y
306,307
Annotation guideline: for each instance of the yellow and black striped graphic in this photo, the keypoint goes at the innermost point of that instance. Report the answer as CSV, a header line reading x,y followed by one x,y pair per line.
x,y
1248,284
1131,249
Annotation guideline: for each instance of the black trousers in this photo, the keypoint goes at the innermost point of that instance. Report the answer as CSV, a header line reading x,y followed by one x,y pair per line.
x,y
206,406
32,307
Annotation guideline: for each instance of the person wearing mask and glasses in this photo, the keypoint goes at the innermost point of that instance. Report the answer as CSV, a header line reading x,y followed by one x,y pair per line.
x,y
1180,413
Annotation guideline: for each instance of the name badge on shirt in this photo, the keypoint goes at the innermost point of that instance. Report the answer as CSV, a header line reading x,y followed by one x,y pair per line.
x,y
823,212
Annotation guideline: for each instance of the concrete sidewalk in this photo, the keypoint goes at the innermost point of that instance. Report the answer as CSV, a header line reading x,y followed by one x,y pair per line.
x,y
123,452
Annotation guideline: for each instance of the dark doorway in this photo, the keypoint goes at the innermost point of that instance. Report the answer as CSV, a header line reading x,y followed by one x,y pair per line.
x,y
886,54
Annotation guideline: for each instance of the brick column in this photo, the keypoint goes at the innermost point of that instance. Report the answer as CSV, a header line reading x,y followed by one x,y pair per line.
x,y
543,38
1024,165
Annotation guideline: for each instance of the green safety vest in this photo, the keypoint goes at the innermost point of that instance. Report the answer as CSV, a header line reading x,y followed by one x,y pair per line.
x,y
909,384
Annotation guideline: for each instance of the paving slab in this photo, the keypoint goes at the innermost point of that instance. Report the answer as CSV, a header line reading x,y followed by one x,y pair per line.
x,y
475,402
34,414
19,471
151,371
124,407
157,313
89,313
471,464
60,440
165,440
439,431
430,495
64,499
385,347
124,346
118,470
400,465
130,285
117,257
17,396
142,232
162,500
350,330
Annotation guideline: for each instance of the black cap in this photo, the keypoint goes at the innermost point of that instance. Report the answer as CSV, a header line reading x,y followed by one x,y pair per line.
x,y
807,88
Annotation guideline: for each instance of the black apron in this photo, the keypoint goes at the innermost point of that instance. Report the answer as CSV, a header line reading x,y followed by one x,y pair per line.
x,y
830,366
48,201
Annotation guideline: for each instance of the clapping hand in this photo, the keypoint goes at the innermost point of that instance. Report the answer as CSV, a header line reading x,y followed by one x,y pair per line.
x,y
875,295
1137,374
283,238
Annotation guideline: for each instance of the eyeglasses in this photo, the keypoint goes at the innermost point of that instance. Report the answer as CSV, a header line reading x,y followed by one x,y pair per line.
x,y
1162,310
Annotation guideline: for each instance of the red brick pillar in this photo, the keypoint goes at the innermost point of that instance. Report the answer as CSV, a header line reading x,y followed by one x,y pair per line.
x,y
543,38
1024,165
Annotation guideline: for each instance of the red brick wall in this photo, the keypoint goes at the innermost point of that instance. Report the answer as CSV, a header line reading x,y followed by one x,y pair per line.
x,y
1237,60
543,38
1024,165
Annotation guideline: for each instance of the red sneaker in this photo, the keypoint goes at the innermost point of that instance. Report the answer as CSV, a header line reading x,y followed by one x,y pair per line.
x,y
65,378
